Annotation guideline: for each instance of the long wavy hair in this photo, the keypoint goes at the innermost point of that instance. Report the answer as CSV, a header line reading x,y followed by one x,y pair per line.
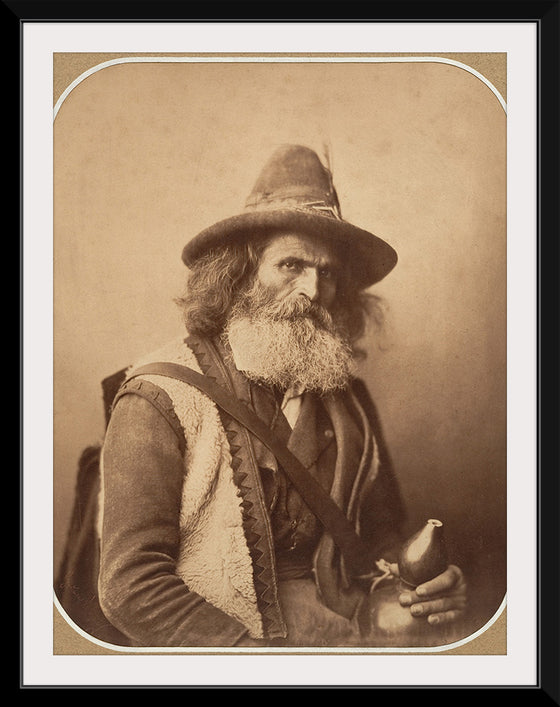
x,y
215,280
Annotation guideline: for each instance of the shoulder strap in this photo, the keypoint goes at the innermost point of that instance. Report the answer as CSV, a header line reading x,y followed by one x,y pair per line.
x,y
318,500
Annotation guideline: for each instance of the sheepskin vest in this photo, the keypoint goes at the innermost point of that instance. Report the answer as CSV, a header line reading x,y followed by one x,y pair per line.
x,y
227,551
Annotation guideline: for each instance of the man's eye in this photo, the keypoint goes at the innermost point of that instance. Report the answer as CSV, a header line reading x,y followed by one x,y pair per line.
x,y
326,273
290,264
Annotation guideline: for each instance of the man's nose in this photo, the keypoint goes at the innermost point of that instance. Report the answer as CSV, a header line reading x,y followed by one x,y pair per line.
x,y
308,284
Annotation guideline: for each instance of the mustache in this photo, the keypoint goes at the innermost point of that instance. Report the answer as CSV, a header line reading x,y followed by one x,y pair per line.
x,y
260,301
302,307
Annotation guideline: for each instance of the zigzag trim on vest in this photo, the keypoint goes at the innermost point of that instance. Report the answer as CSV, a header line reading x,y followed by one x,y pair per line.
x,y
245,477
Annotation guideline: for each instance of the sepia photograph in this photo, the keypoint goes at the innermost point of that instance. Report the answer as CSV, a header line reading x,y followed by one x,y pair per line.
x,y
324,240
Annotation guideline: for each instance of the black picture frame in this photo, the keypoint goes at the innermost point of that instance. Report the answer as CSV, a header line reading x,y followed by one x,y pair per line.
x,y
545,15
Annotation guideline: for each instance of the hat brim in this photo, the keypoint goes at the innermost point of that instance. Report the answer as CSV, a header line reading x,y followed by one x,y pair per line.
x,y
369,257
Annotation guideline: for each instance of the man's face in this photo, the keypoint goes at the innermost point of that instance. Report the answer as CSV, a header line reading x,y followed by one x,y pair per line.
x,y
293,265
282,329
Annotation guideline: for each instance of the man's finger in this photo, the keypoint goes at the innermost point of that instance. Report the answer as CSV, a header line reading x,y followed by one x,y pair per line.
x,y
437,606
445,581
445,617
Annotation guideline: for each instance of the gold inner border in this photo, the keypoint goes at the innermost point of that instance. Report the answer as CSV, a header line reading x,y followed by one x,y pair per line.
x,y
67,67
67,641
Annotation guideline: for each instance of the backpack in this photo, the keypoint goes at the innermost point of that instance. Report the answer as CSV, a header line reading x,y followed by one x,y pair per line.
x,y
75,585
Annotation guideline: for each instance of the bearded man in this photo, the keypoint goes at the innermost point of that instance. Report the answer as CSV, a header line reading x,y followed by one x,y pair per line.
x,y
205,541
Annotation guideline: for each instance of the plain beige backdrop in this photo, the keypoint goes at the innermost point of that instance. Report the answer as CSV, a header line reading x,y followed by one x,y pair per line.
x,y
147,154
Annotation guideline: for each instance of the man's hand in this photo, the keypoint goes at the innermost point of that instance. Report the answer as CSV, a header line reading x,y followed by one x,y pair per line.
x,y
442,599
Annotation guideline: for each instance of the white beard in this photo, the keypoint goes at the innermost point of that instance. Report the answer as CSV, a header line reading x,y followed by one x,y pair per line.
x,y
289,344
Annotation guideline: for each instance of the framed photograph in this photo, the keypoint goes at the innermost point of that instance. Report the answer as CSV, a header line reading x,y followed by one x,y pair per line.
x,y
146,145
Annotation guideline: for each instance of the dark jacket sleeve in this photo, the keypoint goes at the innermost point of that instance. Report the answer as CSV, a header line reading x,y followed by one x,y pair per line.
x,y
383,511
139,590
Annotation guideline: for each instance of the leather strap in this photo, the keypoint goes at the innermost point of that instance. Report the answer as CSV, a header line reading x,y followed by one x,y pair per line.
x,y
318,500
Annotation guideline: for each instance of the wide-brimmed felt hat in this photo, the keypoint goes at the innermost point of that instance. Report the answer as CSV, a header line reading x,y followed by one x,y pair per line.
x,y
294,193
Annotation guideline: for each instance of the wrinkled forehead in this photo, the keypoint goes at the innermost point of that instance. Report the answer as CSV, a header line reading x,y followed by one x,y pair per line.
x,y
301,246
